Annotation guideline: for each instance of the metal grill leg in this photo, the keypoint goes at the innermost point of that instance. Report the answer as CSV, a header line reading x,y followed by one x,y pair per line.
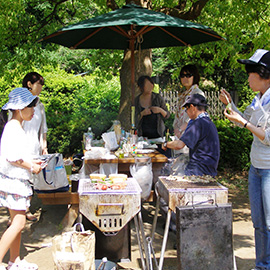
x,y
139,241
155,219
165,237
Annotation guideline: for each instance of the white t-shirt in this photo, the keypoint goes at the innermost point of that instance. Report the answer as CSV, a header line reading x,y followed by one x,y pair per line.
x,y
33,129
13,147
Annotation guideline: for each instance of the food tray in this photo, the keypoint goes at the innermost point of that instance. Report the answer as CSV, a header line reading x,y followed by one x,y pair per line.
x,y
87,187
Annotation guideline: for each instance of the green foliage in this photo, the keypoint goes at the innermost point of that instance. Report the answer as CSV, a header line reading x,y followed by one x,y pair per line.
x,y
75,103
235,146
72,104
94,99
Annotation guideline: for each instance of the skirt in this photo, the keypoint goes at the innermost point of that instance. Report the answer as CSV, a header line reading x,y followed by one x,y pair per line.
x,y
15,193
14,201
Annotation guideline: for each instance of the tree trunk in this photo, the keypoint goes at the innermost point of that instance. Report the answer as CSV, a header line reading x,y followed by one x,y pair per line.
x,y
143,59
143,66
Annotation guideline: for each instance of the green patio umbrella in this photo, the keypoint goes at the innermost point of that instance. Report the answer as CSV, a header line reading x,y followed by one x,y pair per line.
x,y
132,27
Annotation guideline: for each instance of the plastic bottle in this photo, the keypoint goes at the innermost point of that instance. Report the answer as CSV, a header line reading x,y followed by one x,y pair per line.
x,y
88,137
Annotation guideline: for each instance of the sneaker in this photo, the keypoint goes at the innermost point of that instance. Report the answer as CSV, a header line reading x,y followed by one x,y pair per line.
x,y
22,265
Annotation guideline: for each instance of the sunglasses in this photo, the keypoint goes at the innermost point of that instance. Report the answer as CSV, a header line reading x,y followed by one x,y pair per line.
x,y
187,107
187,75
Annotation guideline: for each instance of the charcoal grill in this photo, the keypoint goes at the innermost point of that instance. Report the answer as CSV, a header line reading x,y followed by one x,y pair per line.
x,y
181,192
110,210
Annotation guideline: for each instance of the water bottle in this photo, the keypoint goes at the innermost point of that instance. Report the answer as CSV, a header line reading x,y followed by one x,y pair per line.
x,y
88,137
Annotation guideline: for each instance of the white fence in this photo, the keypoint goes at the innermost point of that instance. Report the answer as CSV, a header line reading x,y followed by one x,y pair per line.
x,y
215,108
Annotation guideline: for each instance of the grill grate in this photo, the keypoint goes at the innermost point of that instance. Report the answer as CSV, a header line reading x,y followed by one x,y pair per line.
x,y
86,187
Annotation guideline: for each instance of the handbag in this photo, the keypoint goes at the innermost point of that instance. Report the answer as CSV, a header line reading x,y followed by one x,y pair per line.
x,y
74,250
53,177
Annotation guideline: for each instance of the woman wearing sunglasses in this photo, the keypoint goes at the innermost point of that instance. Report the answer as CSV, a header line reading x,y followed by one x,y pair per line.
x,y
190,78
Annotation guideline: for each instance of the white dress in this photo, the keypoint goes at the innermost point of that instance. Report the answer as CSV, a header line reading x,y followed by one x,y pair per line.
x,y
15,189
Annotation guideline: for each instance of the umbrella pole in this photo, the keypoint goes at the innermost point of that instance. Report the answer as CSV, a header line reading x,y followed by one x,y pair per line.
x,y
131,46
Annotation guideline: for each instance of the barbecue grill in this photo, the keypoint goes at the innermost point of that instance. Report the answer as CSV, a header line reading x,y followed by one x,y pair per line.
x,y
180,191
188,193
110,210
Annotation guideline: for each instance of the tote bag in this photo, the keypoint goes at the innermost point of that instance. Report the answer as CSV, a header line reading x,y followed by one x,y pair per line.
x,y
74,250
53,177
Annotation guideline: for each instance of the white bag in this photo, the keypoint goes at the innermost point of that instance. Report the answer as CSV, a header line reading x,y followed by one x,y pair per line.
x,y
144,177
53,177
74,250
110,140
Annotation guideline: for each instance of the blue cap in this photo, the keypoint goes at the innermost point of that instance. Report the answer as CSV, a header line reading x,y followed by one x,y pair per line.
x,y
196,99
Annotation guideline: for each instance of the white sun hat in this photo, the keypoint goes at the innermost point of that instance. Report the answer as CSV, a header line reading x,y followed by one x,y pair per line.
x,y
19,98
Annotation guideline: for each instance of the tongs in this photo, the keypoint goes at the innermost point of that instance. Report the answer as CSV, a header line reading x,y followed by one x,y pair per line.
x,y
102,264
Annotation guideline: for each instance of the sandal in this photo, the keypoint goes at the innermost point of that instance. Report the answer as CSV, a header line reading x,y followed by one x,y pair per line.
x,y
30,216
21,265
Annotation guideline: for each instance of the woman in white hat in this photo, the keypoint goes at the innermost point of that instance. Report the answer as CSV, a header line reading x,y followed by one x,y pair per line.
x,y
256,119
16,167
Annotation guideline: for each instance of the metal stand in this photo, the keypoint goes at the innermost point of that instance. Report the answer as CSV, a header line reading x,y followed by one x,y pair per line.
x,y
141,239
166,231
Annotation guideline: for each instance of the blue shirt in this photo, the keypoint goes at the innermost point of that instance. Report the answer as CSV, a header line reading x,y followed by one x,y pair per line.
x,y
201,137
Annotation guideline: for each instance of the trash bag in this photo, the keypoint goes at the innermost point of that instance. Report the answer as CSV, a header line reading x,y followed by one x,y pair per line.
x,y
142,172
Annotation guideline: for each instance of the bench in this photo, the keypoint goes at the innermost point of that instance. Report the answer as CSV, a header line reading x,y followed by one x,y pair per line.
x,y
72,200
63,198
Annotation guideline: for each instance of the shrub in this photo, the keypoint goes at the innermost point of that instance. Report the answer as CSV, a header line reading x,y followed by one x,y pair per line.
x,y
75,103
235,143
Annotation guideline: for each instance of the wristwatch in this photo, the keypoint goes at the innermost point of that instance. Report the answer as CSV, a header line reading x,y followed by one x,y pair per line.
x,y
165,144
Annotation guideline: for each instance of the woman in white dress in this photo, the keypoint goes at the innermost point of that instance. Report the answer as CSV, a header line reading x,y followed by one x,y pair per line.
x,y
15,170
35,129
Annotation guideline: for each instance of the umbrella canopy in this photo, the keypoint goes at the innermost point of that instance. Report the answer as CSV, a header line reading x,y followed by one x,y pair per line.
x,y
132,27
115,30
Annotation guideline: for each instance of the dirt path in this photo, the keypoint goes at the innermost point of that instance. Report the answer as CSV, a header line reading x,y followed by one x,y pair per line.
x,y
38,236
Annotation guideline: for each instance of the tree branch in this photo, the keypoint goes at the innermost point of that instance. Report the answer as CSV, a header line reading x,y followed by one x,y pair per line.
x,y
179,11
112,4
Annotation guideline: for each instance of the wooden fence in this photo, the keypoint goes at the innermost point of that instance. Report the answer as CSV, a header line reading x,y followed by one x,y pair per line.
x,y
215,108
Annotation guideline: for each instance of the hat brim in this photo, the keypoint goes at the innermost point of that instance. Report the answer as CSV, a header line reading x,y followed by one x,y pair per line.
x,y
247,62
15,106
200,104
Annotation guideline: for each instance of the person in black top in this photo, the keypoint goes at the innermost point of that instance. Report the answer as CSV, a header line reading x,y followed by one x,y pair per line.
x,y
150,110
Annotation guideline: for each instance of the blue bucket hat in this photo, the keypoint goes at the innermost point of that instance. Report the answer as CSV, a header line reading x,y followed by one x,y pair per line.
x,y
19,98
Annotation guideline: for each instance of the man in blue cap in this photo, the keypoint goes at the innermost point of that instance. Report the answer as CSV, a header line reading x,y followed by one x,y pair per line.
x,y
201,137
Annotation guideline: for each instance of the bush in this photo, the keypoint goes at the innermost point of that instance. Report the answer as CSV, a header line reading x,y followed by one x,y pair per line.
x,y
75,103
235,143
72,104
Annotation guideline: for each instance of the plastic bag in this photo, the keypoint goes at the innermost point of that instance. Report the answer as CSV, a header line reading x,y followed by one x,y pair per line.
x,y
95,152
110,140
144,176
175,166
